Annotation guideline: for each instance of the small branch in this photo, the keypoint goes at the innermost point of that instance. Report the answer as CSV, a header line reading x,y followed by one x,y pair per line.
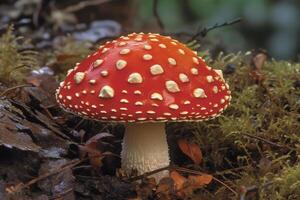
x,y
83,4
182,169
22,186
156,15
13,88
268,142
201,173
204,31
149,173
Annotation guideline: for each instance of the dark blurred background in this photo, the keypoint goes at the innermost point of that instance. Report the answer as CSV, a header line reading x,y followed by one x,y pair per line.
x,y
270,24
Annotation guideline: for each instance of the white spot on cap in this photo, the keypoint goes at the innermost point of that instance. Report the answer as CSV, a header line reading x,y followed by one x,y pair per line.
x,y
181,51
78,77
167,114
122,44
137,92
174,43
194,71
135,78
226,97
209,79
138,112
120,64
150,112
156,96
125,38
184,112
222,101
147,47
104,50
138,103
186,102
107,92
227,86
163,46
183,78
172,86
215,89
141,118
97,63
69,97
154,40
124,51
69,71
123,109
156,69
173,106
138,39
147,57
124,92
195,60
124,101
104,73
172,61
92,81
199,93
113,110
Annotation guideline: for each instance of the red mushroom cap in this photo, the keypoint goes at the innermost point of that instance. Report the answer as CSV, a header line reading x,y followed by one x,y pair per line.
x,y
144,77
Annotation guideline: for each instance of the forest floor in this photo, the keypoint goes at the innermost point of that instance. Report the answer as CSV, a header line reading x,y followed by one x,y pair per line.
x,y
250,152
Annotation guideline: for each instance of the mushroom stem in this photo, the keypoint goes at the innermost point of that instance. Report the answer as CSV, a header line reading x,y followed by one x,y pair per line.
x,y
145,148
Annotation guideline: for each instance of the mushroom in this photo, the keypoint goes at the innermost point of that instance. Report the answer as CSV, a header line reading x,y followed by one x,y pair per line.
x,y
144,80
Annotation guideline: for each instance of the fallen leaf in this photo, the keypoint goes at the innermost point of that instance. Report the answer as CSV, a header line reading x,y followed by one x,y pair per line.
x,y
178,179
165,188
198,181
92,149
192,150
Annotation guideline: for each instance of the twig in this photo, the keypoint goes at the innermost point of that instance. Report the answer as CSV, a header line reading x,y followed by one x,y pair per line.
x,y
182,170
156,15
268,142
204,31
84,4
13,88
21,186
201,173
149,173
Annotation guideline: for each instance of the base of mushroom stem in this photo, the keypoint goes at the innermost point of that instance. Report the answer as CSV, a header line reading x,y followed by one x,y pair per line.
x,y
145,149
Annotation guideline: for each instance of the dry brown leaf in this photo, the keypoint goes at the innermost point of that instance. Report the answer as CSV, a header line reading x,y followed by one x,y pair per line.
x,y
192,150
178,179
91,148
198,181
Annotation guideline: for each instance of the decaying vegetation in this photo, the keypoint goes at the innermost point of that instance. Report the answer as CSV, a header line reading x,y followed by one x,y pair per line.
x,y
250,152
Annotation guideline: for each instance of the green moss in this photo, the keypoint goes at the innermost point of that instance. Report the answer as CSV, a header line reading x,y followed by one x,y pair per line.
x,y
262,123
285,186
15,61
